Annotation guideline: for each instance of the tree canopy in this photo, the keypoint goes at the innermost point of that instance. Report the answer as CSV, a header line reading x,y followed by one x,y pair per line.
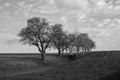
x,y
59,38
37,33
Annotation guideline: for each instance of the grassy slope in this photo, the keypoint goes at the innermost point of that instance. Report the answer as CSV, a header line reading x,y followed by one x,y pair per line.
x,y
88,67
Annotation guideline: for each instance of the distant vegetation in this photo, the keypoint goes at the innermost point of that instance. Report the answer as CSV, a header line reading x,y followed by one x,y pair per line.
x,y
41,34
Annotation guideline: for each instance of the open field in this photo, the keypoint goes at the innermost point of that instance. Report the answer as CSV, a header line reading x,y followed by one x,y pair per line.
x,y
92,66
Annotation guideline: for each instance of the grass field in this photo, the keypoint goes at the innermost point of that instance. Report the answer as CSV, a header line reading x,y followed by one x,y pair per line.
x,y
91,66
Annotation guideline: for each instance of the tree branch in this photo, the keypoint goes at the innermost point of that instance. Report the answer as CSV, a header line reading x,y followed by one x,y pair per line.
x,y
48,42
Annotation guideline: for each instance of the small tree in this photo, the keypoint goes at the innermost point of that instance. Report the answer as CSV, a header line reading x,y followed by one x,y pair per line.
x,y
71,40
78,42
66,44
58,39
90,45
37,33
87,43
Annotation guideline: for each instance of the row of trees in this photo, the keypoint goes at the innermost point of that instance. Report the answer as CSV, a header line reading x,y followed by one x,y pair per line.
x,y
41,34
71,42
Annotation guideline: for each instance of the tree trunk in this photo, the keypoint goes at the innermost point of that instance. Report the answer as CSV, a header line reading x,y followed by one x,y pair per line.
x,y
88,50
66,50
59,52
77,51
62,52
83,50
43,52
71,50
43,56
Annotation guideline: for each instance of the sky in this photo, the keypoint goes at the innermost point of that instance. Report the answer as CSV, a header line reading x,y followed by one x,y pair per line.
x,y
99,18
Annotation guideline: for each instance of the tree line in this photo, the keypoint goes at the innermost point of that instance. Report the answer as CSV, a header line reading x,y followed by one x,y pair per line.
x,y
41,34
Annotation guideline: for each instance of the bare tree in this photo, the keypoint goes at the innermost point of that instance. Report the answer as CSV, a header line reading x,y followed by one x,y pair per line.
x,y
37,33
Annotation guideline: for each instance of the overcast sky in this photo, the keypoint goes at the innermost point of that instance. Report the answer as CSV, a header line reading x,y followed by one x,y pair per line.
x,y
99,18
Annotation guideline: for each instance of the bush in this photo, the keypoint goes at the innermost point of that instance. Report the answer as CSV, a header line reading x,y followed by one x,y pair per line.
x,y
72,57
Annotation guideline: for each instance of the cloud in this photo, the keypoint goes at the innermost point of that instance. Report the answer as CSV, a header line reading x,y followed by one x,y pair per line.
x,y
11,42
21,3
6,13
7,4
26,14
103,10
8,39
7,36
1,7
64,20
72,4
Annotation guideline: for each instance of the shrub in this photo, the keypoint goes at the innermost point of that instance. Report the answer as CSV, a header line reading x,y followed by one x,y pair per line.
x,y
72,57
